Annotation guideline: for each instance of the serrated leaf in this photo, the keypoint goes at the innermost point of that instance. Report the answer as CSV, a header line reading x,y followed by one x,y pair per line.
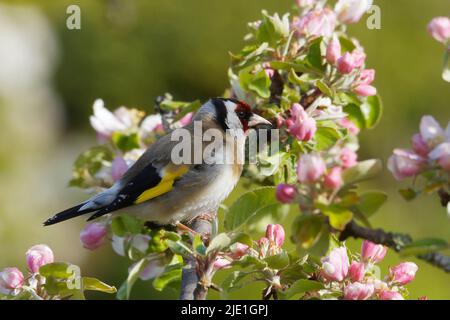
x,y
326,137
278,261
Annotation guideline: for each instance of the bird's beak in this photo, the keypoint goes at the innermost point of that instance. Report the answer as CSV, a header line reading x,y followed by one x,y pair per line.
x,y
256,121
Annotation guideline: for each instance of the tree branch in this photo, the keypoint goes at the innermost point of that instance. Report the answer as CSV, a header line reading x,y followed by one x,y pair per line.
x,y
191,288
395,241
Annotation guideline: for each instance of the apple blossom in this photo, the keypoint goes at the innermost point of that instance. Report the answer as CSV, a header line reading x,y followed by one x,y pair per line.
x,y
348,158
154,268
319,22
357,271
286,193
365,90
37,256
118,167
390,295
358,291
333,50
441,154
404,272
238,250
346,64
310,168
221,263
419,146
300,124
439,28
367,76
333,179
405,163
151,123
351,11
349,125
359,57
93,235
373,252
335,265
431,131
10,280
275,233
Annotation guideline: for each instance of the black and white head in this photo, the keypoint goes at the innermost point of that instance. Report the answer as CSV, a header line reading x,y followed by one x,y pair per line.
x,y
233,115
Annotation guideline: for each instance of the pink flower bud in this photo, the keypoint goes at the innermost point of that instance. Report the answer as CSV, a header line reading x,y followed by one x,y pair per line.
x,y
10,279
348,158
187,119
300,124
221,263
358,291
346,64
403,273
153,270
351,11
118,168
37,256
335,265
365,90
349,125
357,271
390,295
333,51
419,146
286,193
275,233
320,22
93,235
310,168
439,28
333,179
405,163
359,57
268,70
373,252
238,250
367,76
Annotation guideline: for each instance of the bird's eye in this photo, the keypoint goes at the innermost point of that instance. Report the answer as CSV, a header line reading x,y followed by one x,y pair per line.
x,y
241,114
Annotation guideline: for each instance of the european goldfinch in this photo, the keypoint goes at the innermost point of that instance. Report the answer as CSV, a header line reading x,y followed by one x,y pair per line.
x,y
157,189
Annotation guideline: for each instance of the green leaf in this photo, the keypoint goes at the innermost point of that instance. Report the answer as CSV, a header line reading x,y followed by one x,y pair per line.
x,y
306,230
133,275
372,111
371,201
179,247
97,285
125,142
338,217
248,261
324,88
233,281
198,245
423,246
224,240
260,83
314,56
248,206
364,170
278,261
302,286
171,273
60,270
297,66
326,137
88,164
346,44
126,224
355,115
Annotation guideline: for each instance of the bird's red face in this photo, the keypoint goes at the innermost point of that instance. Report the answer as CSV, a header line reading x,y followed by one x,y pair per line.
x,y
244,114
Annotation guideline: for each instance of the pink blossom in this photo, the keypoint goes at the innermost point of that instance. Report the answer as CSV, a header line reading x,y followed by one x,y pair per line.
x,y
286,193
359,57
404,272
346,64
431,131
187,119
335,265
118,167
441,154
358,291
333,50
270,72
238,250
333,179
151,123
300,124
367,76
419,145
263,244
310,168
439,28
37,256
365,90
357,271
405,163
153,270
275,233
372,252
390,295
93,235
348,158
221,263
320,22
10,280
349,125
351,11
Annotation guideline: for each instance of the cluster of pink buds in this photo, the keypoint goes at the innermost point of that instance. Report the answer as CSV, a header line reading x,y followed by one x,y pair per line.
x,y
272,242
237,251
357,280
430,150
12,280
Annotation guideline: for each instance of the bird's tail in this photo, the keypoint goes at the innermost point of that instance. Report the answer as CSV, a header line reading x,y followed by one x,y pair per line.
x,y
68,214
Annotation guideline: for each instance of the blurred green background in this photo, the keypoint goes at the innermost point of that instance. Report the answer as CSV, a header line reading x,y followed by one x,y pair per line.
x,y
128,52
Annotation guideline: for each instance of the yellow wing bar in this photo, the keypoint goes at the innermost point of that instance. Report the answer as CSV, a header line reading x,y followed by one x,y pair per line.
x,y
170,173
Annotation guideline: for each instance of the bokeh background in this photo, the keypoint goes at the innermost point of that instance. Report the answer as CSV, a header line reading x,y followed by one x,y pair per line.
x,y
130,51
